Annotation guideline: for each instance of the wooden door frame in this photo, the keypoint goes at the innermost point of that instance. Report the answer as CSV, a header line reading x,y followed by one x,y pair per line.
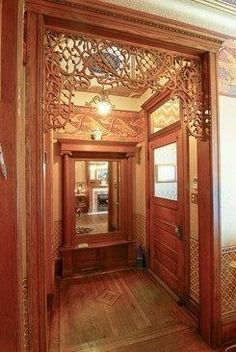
x,y
149,106
72,150
109,21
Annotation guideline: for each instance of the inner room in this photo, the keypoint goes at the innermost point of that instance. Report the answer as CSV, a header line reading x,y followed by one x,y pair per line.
x,y
125,187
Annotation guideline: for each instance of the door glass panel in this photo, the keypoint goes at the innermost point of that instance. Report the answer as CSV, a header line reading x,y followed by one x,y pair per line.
x,y
165,115
165,172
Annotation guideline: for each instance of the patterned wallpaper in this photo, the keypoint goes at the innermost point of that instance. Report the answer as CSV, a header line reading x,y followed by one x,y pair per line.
x,y
228,280
140,229
124,126
227,69
58,228
194,270
228,277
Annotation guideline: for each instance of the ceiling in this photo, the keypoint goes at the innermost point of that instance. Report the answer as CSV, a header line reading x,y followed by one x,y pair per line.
x,y
215,15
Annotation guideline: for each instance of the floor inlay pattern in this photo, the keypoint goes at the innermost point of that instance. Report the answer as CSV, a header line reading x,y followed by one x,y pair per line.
x,y
107,297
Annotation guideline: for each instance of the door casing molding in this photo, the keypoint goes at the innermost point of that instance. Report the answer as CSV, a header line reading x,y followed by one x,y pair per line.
x,y
145,30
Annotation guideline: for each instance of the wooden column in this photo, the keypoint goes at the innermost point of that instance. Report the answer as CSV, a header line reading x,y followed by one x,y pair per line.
x,y
209,227
48,211
34,185
68,209
130,197
130,219
124,190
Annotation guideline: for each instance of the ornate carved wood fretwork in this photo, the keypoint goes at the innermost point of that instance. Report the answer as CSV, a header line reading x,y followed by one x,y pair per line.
x,y
72,62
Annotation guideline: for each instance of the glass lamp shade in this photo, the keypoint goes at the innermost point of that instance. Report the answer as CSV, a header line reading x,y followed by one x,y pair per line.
x,y
104,107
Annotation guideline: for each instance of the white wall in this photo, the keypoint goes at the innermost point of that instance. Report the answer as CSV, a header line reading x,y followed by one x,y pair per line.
x,y
228,169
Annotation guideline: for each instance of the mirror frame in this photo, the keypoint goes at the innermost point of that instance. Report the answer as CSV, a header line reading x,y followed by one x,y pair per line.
x,y
72,150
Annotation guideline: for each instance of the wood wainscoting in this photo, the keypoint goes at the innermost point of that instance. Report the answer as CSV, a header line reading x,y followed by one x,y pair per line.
x,y
96,257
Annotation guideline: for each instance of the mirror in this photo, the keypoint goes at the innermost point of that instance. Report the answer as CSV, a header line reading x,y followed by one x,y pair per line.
x,y
97,197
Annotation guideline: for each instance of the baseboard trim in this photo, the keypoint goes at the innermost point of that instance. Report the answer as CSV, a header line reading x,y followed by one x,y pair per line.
x,y
162,284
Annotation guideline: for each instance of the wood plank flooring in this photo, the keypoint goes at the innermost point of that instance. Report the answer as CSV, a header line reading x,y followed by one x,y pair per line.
x,y
96,223
123,311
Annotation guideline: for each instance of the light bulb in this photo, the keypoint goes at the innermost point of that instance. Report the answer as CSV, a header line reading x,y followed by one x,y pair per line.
x,y
104,107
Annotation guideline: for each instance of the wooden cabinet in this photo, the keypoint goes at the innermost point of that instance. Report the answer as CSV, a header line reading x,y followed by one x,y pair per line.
x,y
103,251
97,257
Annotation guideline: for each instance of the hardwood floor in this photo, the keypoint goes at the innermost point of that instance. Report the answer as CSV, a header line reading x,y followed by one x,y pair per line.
x,y
123,311
92,223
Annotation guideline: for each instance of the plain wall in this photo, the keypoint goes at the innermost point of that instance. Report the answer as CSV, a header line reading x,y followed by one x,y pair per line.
x,y
227,121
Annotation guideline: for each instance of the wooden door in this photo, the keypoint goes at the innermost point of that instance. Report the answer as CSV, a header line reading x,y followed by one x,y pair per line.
x,y
166,209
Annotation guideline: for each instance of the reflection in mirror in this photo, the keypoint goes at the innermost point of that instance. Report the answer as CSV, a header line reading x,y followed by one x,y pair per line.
x,y
97,197
165,115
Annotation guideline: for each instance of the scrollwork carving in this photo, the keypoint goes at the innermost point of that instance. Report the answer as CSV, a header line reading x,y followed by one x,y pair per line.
x,y
73,62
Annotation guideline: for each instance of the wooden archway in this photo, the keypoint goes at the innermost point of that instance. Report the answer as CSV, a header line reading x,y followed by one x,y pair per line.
x,y
136,28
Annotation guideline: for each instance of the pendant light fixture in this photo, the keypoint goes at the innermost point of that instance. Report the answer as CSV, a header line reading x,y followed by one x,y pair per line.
x,y
102,104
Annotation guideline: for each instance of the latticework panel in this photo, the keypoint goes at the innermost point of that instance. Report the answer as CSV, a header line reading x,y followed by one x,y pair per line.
x,y
75,62
228,281
57,239
194,270
140,229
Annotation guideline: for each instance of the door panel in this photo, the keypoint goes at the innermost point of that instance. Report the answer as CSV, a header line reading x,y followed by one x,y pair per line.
x,y
165,260
170,280
166,209
165,238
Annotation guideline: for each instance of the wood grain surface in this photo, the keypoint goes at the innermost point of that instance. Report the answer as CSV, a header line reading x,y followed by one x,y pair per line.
x,y
122,311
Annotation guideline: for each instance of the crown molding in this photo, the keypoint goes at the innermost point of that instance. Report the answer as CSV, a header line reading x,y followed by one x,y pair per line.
x,y
154,24
112,16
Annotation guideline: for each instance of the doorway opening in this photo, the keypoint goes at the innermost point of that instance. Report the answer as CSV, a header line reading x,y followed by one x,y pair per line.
x,y
96,237
117,66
